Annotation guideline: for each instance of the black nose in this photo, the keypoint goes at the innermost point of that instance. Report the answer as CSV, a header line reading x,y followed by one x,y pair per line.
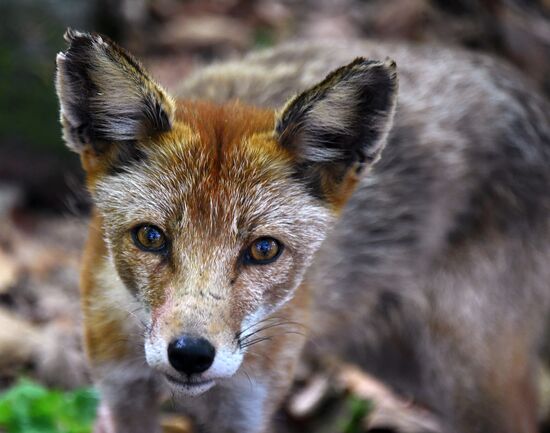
x,y
190,354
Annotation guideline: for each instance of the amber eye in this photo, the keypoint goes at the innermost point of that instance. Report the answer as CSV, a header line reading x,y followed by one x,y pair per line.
x,y
263,251
149,238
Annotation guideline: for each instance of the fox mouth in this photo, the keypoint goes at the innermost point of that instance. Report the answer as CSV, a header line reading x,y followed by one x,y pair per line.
x,y
190,386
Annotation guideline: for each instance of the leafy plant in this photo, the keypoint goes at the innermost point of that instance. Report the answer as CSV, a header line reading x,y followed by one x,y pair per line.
x,y
31,408
357,410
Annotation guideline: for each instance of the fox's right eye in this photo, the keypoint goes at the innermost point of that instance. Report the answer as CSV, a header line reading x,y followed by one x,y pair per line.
x,y
149,238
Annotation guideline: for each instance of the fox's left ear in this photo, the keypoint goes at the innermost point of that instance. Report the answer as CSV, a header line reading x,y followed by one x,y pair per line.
x,y
108,101
340,126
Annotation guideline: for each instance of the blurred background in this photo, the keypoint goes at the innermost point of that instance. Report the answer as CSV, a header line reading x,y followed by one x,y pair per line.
x,y
43,206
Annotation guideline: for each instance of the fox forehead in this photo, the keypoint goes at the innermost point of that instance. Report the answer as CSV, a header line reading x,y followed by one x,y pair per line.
x,y
219,168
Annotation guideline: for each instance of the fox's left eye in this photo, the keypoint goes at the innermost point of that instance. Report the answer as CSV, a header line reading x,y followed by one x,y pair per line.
x,y
263,251
149,238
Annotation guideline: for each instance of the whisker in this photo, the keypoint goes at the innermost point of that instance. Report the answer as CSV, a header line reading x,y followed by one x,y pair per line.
x,y
273,325
258,322
255,341
246,344
249,378
139,321
242,331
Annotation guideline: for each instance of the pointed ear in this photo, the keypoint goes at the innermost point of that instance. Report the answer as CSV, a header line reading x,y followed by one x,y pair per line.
x,y
106,97
340,126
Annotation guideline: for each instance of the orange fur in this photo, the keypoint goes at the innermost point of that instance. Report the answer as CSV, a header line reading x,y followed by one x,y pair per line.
x,y
104,335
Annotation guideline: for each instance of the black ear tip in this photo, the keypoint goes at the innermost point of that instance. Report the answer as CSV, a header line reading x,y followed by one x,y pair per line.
x,y
390,64
77,38
385,70
362,63
391,67
71,34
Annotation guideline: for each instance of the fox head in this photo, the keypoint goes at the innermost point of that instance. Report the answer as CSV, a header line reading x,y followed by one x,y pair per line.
x,y
212,213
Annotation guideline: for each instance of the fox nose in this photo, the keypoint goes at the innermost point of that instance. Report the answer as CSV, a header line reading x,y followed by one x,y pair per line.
x,y
190,354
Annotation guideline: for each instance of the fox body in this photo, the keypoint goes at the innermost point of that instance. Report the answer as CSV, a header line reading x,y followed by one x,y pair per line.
x,y
297,197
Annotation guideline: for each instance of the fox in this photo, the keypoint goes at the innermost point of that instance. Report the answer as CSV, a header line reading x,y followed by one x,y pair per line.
x,y
315,198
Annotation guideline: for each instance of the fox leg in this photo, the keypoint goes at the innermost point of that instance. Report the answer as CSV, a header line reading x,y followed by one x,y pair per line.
x,y
484,379
507,391
129,403
128,388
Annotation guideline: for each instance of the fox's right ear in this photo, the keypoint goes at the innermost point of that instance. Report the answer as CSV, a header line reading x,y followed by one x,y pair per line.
x,y
106,97
339,126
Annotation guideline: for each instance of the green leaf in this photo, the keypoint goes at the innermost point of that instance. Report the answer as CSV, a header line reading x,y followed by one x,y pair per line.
x,y
31,408
357,410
